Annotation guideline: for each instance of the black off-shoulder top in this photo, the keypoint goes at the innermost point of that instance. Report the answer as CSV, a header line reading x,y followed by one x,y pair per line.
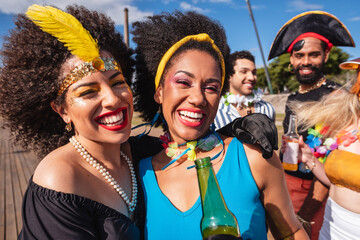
x,y
48,214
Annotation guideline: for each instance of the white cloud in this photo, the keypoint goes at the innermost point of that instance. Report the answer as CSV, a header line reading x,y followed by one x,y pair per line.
x,y
113,8
135,14
354,19
212,1
188,7
220,1
301,5
256,7
166,2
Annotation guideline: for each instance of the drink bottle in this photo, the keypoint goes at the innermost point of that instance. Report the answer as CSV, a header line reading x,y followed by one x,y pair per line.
x,y
216,219
290,156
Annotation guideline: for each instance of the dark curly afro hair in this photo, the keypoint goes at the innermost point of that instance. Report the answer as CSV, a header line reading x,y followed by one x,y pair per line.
x,y
154,37
29,77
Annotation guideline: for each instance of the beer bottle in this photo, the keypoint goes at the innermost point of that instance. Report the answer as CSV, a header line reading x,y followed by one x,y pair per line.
x,y
290,156
216,219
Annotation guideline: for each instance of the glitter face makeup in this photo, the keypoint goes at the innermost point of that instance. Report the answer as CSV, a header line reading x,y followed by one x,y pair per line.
x,y
100,106
190,95
79,102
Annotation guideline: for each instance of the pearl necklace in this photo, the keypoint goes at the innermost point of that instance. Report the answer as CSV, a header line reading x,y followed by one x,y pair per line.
x,y
92,161
318,84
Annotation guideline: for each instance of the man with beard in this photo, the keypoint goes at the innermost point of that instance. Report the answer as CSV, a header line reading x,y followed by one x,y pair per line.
x,y
309,38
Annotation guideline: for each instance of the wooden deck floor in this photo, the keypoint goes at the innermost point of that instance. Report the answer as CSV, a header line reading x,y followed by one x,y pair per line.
x,y
16,167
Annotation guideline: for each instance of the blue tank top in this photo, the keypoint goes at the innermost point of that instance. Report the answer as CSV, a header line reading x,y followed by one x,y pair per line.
x,y
164,221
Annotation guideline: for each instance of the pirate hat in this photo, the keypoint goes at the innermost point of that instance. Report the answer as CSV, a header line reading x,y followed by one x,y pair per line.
x,y
319,24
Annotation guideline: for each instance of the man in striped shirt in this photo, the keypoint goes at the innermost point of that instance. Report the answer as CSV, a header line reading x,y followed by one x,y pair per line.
x,y
242,98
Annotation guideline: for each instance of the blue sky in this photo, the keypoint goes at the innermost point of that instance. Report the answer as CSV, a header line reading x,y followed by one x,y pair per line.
x,y
270,15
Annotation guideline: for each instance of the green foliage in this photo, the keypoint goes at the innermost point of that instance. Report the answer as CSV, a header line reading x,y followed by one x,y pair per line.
x,y
280,76
336,57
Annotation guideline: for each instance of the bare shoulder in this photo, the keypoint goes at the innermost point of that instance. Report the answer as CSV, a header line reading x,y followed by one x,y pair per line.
x,y
263,170
58,170
253,152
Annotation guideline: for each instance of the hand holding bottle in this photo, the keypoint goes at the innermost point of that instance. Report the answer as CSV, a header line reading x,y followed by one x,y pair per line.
x,y
307,157
305,154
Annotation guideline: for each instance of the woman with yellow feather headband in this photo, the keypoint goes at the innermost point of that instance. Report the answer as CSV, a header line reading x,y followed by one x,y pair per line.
x,y
66,75
332,153
180,70
71,70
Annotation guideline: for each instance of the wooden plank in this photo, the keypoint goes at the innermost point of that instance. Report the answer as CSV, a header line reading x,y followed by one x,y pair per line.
x,y
23,180
32,161
21,175
2,190
10,221
35,160
28,162
16,189
26,166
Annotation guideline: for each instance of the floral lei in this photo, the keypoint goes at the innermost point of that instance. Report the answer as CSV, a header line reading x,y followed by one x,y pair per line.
x,y
247,101
321,149
207,143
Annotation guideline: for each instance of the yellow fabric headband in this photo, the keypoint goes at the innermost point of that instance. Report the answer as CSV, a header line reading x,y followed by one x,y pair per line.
x,y
202,37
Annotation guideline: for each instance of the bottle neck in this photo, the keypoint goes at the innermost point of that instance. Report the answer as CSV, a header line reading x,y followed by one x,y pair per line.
x,y
216,219
292,125
210,194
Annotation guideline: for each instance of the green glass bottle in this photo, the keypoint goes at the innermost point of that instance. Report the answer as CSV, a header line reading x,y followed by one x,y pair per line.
x,y
216,219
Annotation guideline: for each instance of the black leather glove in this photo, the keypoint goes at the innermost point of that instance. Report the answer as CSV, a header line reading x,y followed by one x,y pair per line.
x,y
222,237
254,128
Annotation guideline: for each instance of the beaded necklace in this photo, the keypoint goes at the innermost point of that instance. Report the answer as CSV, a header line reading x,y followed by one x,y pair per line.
x,y
92,161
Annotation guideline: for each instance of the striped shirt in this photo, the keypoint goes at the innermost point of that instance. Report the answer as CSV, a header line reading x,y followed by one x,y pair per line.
x,y
226,114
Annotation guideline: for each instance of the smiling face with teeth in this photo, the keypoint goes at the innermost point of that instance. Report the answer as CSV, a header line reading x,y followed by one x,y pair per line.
x,y
243,80
309,61
100,106
190,94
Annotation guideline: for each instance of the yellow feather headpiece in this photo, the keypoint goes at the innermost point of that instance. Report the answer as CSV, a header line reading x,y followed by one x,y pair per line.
x,y
68,30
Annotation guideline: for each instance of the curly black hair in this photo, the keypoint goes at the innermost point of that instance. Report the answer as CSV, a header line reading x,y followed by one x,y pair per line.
x,y
154,37
239,55
29,77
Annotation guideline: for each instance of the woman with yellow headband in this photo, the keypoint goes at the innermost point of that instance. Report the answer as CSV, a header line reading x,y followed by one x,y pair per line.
x,y
181,67
332,153
66,75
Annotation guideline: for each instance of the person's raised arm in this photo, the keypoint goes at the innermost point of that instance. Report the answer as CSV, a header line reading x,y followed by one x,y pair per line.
x,y
254,128
307,157
270,179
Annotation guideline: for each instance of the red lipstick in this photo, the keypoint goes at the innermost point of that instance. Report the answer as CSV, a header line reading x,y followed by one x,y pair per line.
x,y
190,123
116,127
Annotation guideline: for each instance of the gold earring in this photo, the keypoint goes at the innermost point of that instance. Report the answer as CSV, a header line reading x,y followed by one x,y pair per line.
x,y
291,68
68,127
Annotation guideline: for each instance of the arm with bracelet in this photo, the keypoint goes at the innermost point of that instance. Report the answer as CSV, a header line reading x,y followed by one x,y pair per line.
x,y
316,167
